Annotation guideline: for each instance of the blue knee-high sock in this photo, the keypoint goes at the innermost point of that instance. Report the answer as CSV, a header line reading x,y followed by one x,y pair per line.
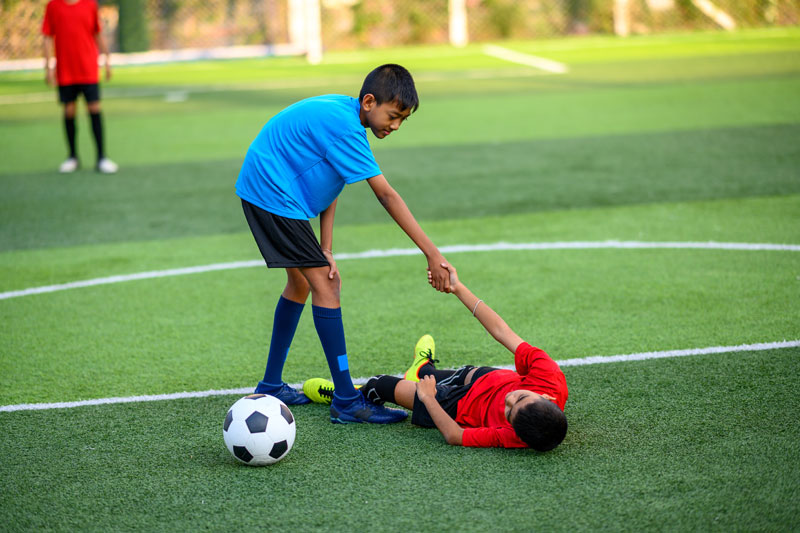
x,y
287,315
331,334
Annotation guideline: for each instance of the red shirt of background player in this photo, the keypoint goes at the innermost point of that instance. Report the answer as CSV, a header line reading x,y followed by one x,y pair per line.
x,y
73,28
481,412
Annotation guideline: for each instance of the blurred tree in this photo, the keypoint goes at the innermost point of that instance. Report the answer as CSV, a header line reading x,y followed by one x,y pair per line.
x,y
132,26
504,16
578,16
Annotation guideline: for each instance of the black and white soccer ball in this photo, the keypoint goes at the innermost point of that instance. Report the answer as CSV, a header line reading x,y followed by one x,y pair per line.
x,y
259,430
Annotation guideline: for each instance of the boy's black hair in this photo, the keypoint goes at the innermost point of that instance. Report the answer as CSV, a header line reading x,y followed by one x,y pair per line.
x,y
389,83
541,425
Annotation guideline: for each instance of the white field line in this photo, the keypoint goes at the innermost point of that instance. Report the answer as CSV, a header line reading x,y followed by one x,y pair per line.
x,y
596,359
396,252
187,91
513,56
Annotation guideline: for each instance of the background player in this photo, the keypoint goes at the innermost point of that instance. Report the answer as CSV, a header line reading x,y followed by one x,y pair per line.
x,y
73,27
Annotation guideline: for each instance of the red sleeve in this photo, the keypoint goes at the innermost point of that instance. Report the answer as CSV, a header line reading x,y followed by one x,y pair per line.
x,y
525,356
47,27
491,438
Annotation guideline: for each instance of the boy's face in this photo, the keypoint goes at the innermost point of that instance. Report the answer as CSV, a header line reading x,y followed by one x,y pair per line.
x,y
516,400
382,119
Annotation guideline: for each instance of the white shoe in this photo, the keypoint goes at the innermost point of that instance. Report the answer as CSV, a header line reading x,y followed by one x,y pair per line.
x,y
107,166
70,165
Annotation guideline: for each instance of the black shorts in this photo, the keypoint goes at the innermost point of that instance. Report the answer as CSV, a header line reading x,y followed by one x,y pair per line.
x,y
284,242
448,393
69,93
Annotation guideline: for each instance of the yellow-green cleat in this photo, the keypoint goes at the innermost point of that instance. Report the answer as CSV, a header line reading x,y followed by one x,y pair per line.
x,y
319,390
424,353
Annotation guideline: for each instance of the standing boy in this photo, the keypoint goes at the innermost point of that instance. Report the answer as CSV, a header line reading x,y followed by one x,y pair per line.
x,y
73,27
478,406
294,170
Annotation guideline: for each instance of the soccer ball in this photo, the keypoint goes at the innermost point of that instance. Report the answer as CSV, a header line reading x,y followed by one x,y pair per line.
x,y
259,430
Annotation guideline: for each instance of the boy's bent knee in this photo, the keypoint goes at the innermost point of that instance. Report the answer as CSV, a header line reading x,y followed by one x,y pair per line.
x,y
297,287
324,291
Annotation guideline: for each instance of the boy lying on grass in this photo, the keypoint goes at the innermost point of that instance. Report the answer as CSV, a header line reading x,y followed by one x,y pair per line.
x,y
476,406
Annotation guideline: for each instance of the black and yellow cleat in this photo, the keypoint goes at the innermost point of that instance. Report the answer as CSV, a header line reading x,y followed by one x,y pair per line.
x,y
424,353
319,390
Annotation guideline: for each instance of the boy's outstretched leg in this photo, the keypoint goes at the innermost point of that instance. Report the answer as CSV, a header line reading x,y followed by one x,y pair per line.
x,y
348,404
287,315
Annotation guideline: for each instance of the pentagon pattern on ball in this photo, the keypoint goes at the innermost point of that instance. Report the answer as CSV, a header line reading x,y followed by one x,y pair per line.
x,y
241,453
278,449
257,422
254,396
228,420
287,414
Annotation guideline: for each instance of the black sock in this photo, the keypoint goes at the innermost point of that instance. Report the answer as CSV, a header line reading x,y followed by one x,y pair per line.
x,y
430,370
380,389
97,129
69,129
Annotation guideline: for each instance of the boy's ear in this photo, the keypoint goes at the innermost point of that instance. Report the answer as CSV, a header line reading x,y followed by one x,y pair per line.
x,y
368,102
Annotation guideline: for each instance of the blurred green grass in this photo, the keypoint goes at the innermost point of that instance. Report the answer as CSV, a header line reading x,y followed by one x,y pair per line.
x,y
196,198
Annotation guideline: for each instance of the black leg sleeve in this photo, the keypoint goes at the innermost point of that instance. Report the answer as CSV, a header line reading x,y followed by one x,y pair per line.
x,y
97,130
69,130
380,389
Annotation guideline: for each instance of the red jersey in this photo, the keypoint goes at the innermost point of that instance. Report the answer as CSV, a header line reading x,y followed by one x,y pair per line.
x,y
73,28
482,411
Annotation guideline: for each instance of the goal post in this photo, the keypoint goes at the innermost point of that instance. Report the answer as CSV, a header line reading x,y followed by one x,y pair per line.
x,y
305,28
457,16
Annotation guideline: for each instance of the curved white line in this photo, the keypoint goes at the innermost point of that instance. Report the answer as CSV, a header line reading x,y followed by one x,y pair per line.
x,y
596,359
395,252
506,54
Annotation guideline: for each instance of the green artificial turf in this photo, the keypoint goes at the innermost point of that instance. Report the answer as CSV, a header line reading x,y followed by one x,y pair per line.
x,y
698,443
668,138
162,201
208,330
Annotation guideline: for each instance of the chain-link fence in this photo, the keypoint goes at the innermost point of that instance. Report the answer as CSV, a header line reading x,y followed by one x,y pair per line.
x,y
137,25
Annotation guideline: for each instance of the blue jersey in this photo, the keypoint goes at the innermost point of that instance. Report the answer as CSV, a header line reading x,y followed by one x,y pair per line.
x,y
305,155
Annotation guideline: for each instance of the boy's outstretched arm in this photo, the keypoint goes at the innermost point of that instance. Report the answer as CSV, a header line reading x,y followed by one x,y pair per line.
x,y
398,210
426,392
490,320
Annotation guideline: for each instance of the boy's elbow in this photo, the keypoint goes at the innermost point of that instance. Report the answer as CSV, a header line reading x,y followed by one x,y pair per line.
x,y
455,438
386,198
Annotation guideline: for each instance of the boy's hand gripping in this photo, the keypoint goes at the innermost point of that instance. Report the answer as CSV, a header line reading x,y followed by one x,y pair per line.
x,y
334,271
426,388
438,276
452,277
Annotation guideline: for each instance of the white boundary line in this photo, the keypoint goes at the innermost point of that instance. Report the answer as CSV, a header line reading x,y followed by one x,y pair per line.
x,y
596,359
187,90
506,54
396,252
155,57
